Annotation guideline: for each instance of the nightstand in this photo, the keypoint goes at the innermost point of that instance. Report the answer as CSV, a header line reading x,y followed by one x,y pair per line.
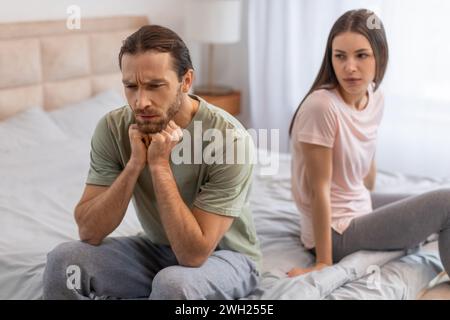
x,y
230,102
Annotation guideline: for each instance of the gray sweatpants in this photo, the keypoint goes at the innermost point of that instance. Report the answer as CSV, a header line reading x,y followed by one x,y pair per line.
x,y
135,268
399,222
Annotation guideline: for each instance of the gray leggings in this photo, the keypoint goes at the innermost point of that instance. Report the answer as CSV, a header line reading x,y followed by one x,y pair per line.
x,y
399,222
135,268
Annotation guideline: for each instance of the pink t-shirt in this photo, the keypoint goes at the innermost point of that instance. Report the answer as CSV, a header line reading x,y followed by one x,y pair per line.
x,y
325,119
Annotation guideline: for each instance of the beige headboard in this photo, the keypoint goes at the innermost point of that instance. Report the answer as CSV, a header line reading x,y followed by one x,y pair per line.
x,y
46,64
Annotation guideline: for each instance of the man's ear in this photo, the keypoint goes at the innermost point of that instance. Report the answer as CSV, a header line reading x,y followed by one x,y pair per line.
x,y
187,80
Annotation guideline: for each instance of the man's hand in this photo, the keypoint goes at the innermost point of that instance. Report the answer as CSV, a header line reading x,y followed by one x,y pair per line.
x,y
294,272
139,143
162,144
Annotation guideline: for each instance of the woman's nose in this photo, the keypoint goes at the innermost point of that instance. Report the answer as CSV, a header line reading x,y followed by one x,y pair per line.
x,y
350,66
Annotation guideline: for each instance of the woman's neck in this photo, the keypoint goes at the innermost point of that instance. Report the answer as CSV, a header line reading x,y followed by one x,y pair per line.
x,y
357,102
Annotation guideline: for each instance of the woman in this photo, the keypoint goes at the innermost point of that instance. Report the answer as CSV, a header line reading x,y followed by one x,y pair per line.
x,y
333,135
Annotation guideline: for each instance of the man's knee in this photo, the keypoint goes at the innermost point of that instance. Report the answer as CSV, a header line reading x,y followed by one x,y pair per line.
x,y
63,270
174,283
226,275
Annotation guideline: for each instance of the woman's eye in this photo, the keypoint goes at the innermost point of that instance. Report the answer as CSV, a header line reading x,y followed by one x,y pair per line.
x,y
363,55
339,56
130,87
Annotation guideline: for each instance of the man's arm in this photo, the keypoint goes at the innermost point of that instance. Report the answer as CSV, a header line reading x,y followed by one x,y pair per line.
x,y
193,235
101,209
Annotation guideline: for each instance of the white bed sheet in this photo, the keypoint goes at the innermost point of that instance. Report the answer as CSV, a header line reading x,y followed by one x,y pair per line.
x,y
40,186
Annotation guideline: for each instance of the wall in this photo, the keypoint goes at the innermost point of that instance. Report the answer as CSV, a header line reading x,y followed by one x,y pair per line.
x,y
158,10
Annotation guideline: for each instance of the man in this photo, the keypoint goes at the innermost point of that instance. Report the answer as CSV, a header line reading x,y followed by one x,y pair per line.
x,y
199,240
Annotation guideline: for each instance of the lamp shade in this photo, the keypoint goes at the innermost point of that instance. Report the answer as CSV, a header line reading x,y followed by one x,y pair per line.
x,y
214,21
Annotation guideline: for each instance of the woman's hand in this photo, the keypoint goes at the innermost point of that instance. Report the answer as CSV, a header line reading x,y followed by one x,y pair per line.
x,y
294,272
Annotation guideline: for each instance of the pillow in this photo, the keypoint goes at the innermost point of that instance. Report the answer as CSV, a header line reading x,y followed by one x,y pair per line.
x,y
79,120
32,127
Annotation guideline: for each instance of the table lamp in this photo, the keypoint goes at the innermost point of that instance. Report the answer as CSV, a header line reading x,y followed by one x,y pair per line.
x,y
213,22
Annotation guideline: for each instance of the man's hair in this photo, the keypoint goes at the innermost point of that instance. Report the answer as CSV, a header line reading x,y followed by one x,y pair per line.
x,y
161,39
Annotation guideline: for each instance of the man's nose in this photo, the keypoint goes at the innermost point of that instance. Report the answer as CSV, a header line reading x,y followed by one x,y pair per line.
x,y
143,100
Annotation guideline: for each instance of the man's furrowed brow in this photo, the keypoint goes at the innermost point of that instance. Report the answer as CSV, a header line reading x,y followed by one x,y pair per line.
x,y
155,81
127,82
145,82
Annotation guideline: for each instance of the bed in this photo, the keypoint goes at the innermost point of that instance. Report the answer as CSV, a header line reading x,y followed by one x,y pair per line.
x,y
47,115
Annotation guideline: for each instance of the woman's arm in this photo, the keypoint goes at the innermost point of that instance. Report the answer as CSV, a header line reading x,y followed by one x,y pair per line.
x,y
318,162
369,180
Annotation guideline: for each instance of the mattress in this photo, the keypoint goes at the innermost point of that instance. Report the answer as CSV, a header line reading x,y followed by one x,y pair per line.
x,y
40,187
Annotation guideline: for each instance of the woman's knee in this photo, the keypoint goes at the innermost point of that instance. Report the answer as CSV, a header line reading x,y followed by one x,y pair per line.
x,y
439,198
441,195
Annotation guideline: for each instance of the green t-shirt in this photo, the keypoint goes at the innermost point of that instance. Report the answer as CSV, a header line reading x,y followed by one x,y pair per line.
x,y
220,188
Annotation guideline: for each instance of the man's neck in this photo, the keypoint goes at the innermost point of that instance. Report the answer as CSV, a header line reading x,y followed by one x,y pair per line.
x,y
188,109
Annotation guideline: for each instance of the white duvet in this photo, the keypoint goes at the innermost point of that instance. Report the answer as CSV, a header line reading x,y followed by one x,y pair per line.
x,y
40,186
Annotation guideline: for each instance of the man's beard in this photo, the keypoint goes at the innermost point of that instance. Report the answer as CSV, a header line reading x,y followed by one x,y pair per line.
x,y
159,124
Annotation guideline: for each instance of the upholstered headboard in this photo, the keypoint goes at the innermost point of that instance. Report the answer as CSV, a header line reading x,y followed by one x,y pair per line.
x,y
46,64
